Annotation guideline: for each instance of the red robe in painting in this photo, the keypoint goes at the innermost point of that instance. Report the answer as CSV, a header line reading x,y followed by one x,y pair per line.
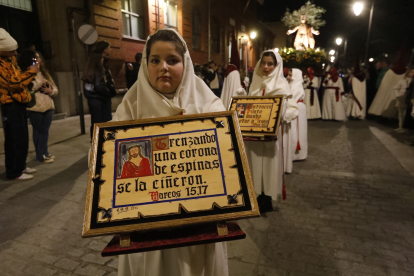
x,y
131,170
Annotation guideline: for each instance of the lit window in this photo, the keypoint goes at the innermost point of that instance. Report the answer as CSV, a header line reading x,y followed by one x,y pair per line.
x,y
18,4
196,30
133,18
170,14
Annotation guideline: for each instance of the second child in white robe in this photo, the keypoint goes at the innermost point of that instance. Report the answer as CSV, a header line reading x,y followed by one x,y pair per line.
x,y
333,106
265,158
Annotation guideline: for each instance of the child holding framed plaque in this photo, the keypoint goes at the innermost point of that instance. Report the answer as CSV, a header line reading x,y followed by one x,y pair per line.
x,y
266,158
167,86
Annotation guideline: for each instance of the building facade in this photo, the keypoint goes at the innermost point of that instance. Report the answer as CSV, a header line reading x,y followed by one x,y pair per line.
x,y
205,25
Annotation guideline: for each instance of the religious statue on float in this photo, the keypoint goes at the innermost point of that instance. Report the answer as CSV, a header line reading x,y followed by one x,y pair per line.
x,y
305,21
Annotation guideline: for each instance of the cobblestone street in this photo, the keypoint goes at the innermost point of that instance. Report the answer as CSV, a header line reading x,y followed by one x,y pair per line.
x,y
349,211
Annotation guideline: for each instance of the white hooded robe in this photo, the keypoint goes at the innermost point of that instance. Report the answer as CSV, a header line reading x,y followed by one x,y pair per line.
x,y
313,110
231,88
333,106
299,127
266,158
143,101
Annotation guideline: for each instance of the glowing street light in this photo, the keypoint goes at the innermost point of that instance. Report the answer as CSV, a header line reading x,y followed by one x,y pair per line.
x,y
371,60
277,49
332,58
253,35
358,8
338,41
332,52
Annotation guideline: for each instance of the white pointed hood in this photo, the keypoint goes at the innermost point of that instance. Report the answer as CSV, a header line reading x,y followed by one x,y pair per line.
x,y
191,97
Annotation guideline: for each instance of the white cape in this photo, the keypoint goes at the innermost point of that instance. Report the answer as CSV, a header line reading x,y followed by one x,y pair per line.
x,y
231,87
359,90
143,101
384,103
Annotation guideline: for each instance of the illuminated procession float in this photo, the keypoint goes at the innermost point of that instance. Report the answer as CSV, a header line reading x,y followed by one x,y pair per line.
x,y
305,22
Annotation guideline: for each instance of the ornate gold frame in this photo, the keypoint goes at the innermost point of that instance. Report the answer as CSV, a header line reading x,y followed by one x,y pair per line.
x,y
254,212
253,133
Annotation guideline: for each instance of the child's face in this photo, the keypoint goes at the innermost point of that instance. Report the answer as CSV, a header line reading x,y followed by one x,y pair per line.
x,y
267,65
165,67
411,73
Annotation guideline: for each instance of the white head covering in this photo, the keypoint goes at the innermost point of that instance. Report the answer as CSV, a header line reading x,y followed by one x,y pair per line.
x,y
191,97
296,85
7,43
231,87
274,84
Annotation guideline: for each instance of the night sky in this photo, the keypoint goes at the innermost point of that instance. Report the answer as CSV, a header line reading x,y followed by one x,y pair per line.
x,y
392,23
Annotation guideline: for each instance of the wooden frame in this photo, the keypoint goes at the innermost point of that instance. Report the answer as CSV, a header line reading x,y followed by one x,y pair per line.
x,y
107,187
258,116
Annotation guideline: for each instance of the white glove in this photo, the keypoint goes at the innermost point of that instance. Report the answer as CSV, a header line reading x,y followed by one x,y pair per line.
x,y
241,91
291,112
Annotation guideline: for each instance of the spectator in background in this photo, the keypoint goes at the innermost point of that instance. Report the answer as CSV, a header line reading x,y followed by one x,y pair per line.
x,y
133,70
207,73
215,80
383,64
14,95
41,115
98,85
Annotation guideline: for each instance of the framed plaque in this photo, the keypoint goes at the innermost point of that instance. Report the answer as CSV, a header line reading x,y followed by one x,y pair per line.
x,y
258,116
167,172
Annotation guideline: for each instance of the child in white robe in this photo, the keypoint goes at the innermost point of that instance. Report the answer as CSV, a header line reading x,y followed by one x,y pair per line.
x,y
167,86
265,158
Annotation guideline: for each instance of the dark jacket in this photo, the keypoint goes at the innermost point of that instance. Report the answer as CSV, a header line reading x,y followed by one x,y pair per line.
x,y
102,88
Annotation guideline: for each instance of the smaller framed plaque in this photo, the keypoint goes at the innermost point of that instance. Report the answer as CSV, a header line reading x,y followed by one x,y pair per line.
x,y
169,172
258,116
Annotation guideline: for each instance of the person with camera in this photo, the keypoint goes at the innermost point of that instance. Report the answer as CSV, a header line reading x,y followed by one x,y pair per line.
x,y
41,114
14,96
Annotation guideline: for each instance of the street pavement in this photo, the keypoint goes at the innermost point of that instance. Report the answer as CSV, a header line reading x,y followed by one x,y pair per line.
x,y
349,210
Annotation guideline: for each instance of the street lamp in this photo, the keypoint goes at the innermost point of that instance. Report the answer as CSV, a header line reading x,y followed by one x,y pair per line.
x,y
371,60
332,58
358,8
253,35
277,50
332,52
339,42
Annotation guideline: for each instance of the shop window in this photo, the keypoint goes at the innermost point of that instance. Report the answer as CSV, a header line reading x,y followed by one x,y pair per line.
x,y
196,30
133,18
170,14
